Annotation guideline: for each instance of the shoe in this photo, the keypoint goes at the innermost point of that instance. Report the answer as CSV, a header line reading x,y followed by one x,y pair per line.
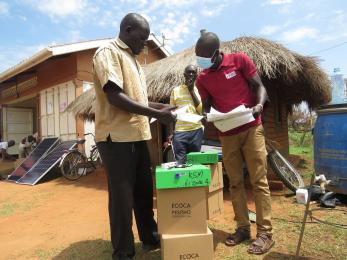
x,y
239,236
261,245
152,245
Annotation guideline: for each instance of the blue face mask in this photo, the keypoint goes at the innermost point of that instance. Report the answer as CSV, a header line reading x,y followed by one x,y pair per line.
x,y
205,63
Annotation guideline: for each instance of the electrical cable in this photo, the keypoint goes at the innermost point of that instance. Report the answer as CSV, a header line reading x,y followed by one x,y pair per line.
x,y
344,226
329,48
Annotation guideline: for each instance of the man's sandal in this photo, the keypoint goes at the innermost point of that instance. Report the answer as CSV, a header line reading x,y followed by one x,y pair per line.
x,y
239,236
261,245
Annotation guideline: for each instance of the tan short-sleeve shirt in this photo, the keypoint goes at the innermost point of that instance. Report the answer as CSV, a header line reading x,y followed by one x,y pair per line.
x,y
115,62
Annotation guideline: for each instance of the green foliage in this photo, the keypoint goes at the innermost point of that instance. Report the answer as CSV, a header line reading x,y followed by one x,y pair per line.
x,y
300,139
307,151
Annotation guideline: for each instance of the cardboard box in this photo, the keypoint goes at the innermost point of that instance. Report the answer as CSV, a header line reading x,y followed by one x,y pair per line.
x,y
192,176
216,177
182,211
188,246
215,204
207,157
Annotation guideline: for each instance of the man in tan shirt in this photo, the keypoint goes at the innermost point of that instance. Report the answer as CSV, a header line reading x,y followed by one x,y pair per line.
x,y
121,131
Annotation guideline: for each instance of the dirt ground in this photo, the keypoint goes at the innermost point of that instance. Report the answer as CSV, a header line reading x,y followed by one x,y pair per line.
x,y
59,219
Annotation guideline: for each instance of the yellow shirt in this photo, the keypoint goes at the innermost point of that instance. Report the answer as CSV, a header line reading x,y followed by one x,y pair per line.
x,y
115,62
180,97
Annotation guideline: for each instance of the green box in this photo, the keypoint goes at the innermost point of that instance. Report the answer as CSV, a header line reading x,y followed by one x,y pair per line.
x,y
208,157
192,176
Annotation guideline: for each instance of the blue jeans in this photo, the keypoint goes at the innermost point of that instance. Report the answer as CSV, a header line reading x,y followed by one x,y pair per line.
x,y
186,142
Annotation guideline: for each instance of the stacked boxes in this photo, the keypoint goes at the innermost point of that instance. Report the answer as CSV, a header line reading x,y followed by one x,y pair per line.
x,y
214,192
182,214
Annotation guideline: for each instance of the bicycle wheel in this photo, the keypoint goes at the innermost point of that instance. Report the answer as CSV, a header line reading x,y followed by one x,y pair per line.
x,y
285,171
73,165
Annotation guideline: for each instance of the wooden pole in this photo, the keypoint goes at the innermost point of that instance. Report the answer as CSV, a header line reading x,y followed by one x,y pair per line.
x,y
307,209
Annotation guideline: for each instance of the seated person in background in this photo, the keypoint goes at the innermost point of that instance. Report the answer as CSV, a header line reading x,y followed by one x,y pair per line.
x,y
187,136
3,151
26,145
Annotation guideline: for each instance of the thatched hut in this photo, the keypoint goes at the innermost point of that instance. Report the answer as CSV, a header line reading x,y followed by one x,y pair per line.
x,y
289,78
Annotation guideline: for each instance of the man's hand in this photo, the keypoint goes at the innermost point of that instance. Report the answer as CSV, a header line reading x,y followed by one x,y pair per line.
x,y
166,117
160,106
190,83
167,107
257,110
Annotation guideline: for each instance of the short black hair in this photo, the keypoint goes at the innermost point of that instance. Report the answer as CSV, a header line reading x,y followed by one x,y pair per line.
x,y
133,20
190,66
209,40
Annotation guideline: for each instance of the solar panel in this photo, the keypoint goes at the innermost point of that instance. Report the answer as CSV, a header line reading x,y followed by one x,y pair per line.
x,y
46,163
43,148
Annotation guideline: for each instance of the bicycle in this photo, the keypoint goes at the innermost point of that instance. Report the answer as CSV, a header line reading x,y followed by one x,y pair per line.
x,y
75,163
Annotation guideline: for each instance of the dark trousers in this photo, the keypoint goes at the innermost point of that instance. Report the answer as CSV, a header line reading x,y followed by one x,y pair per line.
x,y
186,142
130,187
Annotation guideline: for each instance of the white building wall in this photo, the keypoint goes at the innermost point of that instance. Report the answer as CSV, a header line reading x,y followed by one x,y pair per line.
x,y
55,122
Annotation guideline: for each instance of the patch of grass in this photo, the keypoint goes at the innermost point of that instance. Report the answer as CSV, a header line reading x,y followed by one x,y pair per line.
x,y
300,139
11,208
88,250
45,254
238,252
8,209
296,147
298,150
320,241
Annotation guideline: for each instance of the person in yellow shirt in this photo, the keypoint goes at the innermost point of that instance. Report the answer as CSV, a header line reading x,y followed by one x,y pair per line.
x,y
187,137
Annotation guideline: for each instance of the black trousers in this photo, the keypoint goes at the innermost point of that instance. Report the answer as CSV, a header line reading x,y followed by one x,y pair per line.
x,y
130,187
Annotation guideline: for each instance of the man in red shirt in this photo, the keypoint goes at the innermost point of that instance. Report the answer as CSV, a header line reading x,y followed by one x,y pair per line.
x,y
228,81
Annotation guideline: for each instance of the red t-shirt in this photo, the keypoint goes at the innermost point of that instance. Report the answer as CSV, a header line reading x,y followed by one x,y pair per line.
x,y
228,86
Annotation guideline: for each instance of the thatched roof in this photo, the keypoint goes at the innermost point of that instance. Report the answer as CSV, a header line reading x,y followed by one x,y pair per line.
x,y
298,78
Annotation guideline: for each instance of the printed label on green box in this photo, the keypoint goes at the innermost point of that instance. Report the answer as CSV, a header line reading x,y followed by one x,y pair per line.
x,y
192,176
208,157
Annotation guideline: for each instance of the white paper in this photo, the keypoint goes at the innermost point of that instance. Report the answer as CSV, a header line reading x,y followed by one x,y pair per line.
x,y
215,115
227,121
182,115
189,117
180,110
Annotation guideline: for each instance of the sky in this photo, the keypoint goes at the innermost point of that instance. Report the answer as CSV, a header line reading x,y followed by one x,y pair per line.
x,y
316,27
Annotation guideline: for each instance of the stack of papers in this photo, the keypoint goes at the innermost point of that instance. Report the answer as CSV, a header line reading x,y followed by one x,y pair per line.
x,y
234,118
